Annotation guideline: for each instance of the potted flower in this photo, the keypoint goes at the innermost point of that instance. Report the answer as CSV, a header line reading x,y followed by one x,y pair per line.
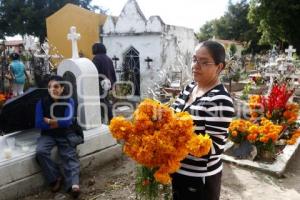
x,y
263,135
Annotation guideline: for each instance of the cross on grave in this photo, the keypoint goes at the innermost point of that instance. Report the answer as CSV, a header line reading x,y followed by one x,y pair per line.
x,y
148,60
290,52
73,36
115,59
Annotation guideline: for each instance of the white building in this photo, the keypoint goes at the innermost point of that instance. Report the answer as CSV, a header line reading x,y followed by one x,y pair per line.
x,y
132,39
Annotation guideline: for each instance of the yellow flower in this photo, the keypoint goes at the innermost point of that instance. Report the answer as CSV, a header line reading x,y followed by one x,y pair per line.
x,y
158,138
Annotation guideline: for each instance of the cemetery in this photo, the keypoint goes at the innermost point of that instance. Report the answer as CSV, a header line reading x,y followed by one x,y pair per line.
x,y
152,60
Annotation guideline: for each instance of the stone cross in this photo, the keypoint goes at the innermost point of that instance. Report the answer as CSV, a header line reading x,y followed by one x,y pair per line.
x,y
115,59
290,52
148,60
73,36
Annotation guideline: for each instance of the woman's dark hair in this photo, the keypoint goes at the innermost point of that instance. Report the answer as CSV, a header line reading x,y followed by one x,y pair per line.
x,y
57,78
61,82
14,56
216,50
98,48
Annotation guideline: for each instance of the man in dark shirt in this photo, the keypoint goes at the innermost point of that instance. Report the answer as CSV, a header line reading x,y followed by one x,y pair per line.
x,y
107,78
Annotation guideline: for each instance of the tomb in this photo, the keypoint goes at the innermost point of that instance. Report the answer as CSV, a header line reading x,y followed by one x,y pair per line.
x,y
18,167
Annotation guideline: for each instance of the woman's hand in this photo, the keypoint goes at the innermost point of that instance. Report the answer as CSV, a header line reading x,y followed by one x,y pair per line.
x,y
52,122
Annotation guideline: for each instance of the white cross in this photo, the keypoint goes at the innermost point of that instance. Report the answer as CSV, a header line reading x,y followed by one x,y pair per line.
x,y
73,36
290,52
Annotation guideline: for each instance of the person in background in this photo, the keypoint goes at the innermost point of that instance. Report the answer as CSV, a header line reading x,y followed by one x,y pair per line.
x,y
18,73
211,106
107,77
54,116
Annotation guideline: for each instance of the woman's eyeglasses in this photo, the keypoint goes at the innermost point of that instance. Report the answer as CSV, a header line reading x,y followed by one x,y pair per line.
x,y
200,63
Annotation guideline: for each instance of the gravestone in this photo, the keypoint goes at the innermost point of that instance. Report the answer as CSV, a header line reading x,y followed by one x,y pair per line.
x,y
83,75
86,87
18,168
290,52
18,113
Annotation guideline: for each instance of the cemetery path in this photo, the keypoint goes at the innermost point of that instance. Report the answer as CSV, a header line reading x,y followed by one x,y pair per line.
x,y
116,181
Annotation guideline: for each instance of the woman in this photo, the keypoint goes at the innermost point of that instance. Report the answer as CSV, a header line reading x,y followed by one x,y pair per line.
x,y
107,78
211,106
54,116
17,70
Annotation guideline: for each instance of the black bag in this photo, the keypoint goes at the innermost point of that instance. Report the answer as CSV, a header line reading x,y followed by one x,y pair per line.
x,y
78,130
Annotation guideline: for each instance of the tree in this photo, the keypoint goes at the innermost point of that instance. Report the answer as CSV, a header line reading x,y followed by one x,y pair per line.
x,y
234,25
206,31
29,16
232,49
278,21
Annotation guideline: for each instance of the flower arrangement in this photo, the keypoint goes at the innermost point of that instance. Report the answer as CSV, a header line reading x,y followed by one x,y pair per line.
x,y
294,137
256,109
276,103
158,139
264,133
270,117
238,130
275,106
4,98
257,79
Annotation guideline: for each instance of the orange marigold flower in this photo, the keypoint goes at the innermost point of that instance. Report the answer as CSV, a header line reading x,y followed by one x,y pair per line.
x,y
199,145
163,178
158,138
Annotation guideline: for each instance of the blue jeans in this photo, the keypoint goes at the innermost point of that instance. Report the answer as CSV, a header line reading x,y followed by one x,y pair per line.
x,y
67,154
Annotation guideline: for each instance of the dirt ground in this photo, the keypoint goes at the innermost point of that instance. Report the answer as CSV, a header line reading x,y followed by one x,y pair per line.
x,y
116,181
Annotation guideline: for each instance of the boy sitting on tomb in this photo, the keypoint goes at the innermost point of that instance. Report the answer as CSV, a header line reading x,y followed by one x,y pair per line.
x,y
54,116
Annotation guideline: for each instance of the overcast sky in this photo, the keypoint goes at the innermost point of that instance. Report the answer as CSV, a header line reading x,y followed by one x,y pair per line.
x,y
188,13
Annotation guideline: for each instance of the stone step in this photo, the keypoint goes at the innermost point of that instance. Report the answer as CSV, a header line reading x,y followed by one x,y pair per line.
x,y
21,175
276,168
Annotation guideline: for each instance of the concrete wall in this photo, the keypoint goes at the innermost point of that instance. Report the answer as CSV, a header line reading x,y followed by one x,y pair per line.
x,y
87,23
178,44
147,45
170,47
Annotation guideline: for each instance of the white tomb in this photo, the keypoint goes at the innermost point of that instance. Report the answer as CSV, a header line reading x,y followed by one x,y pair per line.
x,y
149,47
19,173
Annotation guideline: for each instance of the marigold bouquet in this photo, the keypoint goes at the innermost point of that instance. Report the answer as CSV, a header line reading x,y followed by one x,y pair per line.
x,y
264,131
158,139
238,130
263,134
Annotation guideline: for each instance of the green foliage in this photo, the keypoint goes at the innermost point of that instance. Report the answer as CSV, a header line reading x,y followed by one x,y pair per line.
x,y
123,89
147,188
207,31
234,25
277,21
246,91
236,75
232,49
29,17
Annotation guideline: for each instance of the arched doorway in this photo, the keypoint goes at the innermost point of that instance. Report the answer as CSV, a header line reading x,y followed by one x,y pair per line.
x,y
131,68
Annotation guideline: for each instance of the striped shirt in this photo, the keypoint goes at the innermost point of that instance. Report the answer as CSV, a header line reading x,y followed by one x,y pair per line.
x,y
212,114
